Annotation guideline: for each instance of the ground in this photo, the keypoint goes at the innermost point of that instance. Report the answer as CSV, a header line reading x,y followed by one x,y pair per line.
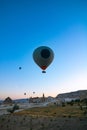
x,y
46,118
25,122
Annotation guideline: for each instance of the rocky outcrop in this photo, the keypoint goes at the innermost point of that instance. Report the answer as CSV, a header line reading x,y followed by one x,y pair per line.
x,y
80,94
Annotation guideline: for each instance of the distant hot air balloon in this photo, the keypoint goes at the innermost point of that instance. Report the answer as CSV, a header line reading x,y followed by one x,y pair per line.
x,y
24,93
20,68
43,56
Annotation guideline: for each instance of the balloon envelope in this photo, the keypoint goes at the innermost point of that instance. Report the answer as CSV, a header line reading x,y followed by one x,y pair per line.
x,y
43,56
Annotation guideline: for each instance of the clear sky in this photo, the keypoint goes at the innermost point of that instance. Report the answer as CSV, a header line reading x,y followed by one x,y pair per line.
x,y
28,24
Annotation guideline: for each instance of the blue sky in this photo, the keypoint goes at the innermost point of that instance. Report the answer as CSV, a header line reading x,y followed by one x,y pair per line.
x,y
28,24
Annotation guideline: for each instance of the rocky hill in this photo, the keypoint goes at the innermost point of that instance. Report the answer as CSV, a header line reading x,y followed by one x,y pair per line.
x,y
80,94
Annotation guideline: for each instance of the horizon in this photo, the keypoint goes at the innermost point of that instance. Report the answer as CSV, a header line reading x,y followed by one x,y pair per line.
x,y
41,96
26,25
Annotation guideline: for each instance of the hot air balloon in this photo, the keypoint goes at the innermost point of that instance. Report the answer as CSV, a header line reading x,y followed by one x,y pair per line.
x,y
24,93
43,56
20,68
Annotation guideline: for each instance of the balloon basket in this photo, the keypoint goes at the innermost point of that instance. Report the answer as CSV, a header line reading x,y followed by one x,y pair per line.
x,y
43,71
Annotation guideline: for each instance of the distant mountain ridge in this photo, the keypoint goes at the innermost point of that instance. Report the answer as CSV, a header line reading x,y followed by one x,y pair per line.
x,y
80,94
23,100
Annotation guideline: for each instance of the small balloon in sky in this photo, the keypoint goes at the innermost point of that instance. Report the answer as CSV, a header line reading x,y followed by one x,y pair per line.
x,y
20,68
43,57
24,93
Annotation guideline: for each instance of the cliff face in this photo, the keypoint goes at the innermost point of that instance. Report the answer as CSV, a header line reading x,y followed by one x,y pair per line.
x,y
81,94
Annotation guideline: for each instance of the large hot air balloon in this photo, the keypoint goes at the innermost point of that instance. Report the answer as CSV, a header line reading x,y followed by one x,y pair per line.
x,y
43,56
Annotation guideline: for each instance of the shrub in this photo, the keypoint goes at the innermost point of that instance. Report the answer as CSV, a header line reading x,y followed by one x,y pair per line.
x,y
85,112
15,107
63,104
81,107
10,110
69,116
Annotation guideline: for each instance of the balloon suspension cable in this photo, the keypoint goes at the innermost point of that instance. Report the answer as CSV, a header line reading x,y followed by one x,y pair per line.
x,y
43,71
